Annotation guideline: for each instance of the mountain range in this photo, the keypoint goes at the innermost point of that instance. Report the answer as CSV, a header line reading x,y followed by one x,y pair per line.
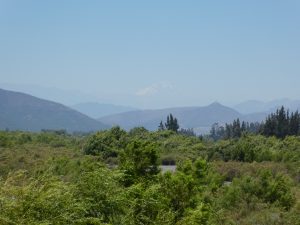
x,y
55,94
96,110
255,106
19,111
199,118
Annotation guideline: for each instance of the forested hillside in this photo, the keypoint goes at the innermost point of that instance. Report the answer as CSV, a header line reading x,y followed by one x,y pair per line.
x,y
115,177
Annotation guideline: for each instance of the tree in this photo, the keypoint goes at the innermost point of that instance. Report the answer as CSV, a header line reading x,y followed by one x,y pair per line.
x,y
244,127
106,143
138,132
217,132
100,190
161,126
187,132
172,123
42,200
139,161
281,124
148,205
228,131
282,117
294,123
236,129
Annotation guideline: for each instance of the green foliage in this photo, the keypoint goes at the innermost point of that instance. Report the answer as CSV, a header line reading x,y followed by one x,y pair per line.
x,y
171,124
276,189
161,126
106,143
198,170
101,193
139,161
45,200
233,130
279,124
140,132
199,216
282,124
148,205
187,132
180,189
264,187
46,178
251,148
4,140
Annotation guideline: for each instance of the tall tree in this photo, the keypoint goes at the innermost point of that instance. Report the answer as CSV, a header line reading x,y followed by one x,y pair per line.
x,y
172,123
294,123
280,124
161,126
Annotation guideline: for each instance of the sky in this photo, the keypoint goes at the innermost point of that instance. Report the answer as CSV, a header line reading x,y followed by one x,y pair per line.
x,y
153,54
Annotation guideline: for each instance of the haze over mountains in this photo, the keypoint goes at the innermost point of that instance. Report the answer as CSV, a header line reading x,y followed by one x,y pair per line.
x,y
255,106
96,110
199,118
19,111
63,96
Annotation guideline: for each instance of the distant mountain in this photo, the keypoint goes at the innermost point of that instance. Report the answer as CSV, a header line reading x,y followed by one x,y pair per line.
x,y
255,117
19,111
254,106
251,106
65,97
97,110
200,118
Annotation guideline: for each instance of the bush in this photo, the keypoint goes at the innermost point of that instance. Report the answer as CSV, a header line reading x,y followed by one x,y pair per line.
x,y
265,187
106,143
45,200
139,161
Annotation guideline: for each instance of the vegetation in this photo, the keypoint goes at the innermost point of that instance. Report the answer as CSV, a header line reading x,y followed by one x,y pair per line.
x,y
171,124
279,124
113,177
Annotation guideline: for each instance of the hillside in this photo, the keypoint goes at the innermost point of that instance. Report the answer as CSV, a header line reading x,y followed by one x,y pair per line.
x,y
19,111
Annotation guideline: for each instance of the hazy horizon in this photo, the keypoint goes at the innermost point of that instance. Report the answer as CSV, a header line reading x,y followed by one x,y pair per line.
x,y
152,54
75,97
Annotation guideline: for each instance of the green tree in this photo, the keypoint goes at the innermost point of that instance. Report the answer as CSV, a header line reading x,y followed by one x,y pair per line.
x,y
294,125
148,206
139,161
199,216
101,193
161,126
172,123
181,190
280,124
41,200
106,143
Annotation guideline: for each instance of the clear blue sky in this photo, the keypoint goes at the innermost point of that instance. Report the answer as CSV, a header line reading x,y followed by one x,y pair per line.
x,y
154,54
